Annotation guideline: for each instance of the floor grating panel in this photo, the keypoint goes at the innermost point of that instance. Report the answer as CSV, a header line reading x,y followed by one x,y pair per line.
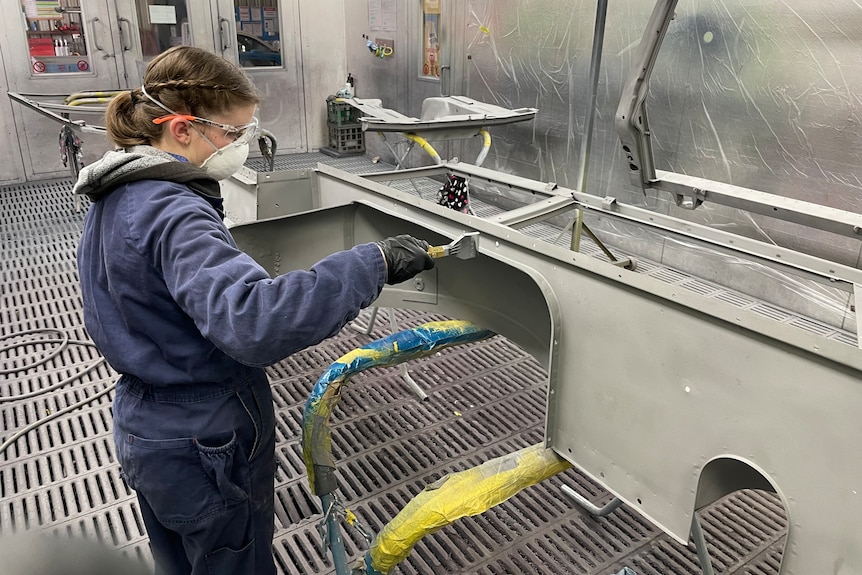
x,y
485,400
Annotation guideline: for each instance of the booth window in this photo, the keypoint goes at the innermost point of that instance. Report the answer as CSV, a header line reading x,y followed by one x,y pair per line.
x,y
55,37
162,25
430,39
257,33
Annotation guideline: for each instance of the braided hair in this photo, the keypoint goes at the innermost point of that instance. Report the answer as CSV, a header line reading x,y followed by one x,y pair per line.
x,y
186,79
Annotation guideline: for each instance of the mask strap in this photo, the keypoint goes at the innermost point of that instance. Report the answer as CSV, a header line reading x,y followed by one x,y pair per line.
x,y
204,136
156,102
168,110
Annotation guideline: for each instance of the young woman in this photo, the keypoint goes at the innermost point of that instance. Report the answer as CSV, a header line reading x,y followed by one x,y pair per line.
x,y
190,321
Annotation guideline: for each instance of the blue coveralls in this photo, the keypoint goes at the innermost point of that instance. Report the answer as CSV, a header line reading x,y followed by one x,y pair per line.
x,y
190,321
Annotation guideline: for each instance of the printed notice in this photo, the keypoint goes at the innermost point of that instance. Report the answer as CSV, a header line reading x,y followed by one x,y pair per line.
x,y
381,15
163,14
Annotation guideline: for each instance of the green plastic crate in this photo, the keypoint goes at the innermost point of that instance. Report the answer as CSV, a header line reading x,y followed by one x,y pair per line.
x,y
347,139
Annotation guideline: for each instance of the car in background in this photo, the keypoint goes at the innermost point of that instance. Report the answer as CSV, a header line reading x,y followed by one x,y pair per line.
x,y
255,52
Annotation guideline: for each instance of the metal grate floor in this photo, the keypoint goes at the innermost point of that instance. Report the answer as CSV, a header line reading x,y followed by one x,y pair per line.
x,y
485,400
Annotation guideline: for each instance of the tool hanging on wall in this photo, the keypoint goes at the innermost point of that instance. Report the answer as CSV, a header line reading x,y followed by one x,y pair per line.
x,y
378,50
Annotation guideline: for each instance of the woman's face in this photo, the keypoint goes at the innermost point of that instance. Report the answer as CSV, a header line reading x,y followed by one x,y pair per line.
x,y
196,140
200,149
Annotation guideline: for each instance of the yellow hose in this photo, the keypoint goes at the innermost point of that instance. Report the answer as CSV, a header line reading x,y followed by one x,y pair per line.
x,y
82,101
457,495
82,98
486,146
423,143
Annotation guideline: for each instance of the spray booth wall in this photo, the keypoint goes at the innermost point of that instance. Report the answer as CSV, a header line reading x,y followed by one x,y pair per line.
x,y
763,94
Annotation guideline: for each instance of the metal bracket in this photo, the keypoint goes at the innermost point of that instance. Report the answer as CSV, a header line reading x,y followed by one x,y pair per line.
x,y
589,507
631,117
689,201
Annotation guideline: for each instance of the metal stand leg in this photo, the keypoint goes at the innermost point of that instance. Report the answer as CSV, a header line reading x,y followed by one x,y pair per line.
x,y
700,546
331,535
593,510
400,161
393,325
370,326
405,375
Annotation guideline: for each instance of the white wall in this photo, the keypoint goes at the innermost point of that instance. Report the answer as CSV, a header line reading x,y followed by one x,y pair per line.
x,y
324,64
383,78
11,164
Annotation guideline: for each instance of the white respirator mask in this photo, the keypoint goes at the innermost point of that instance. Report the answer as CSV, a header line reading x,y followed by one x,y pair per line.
x,y
224,162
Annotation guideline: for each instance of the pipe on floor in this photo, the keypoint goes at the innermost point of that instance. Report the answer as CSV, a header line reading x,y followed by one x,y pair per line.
x,y
397,348
458,495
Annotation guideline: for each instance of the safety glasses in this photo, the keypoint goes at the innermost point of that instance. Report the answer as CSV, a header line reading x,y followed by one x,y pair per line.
x,y
240,134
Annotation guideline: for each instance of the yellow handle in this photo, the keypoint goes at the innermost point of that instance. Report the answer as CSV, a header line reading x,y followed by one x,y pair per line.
x,y
437,251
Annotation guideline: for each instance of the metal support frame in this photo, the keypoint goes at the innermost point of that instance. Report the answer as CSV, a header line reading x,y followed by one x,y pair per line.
x,y
682,361
589,120
787,260
47,109
631,117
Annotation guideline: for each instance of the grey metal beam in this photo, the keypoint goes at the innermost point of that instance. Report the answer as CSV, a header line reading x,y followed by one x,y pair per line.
x,y
631,116
690,192
407,173
535,212
595,70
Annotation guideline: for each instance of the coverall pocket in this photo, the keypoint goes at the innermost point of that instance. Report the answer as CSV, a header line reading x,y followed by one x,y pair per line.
x,y
261,412
182,480
227,561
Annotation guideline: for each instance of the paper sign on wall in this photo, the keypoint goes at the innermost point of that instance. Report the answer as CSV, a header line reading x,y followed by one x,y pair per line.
x,y
163,14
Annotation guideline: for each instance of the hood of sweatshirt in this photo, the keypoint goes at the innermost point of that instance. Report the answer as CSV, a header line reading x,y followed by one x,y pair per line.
x,y
119,167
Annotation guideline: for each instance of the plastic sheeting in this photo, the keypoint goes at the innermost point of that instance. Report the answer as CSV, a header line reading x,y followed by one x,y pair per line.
x,y
758,93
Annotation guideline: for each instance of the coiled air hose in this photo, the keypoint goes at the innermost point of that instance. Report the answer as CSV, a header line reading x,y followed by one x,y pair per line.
x,y
62,343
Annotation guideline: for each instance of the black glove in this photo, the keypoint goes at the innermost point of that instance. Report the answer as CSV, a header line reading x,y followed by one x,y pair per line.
x,y
405,257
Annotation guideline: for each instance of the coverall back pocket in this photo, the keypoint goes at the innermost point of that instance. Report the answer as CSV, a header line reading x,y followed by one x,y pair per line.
x,y
182,480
